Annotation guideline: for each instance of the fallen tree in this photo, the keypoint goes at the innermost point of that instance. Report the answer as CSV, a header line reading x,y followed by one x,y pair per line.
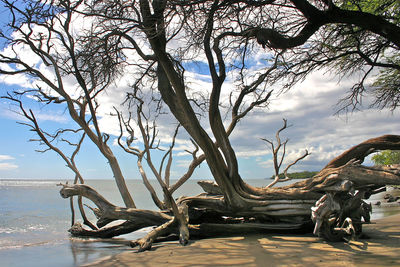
x,y
334,196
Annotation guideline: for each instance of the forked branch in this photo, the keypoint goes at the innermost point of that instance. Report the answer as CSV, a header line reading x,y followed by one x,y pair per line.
x,y
278,160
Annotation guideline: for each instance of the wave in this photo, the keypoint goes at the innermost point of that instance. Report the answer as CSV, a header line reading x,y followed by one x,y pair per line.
x,y
29,183
15,230
31,244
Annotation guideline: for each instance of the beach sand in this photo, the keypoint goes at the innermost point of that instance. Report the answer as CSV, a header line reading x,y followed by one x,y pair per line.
x,y
381,249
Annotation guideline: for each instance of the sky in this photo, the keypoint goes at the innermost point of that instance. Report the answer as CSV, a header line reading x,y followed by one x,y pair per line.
x,y
309,107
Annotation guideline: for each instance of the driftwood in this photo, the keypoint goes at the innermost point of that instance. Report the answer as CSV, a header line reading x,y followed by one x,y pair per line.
x,y
331,203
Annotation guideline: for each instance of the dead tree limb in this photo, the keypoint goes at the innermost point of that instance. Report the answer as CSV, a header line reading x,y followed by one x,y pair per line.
x,y
280,209
108,211
278,160
48,139
362,150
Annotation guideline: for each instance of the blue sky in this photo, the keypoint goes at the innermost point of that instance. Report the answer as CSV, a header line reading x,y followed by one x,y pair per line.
x,y
19,159
309,107
308,110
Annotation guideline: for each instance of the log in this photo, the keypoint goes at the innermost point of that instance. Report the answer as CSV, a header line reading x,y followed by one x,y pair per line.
x,y
362,150
359,175
265,209
215,229
110,212
146,242
107,232
210,187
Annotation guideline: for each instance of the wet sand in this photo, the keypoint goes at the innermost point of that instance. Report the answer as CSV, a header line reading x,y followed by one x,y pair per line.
x,y
381,249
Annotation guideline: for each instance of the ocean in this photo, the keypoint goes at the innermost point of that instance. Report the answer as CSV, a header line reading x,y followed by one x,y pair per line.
x,y
34,220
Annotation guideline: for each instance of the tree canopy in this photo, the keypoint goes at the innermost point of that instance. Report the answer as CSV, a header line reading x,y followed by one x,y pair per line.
x,y
387,157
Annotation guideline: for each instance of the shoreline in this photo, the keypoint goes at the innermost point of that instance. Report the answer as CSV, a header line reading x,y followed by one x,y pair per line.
x,y
382,248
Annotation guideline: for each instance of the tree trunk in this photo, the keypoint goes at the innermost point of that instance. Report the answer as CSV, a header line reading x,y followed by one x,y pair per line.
x,y
120,180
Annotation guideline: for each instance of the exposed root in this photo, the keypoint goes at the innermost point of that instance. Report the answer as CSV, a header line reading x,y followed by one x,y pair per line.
x,y
338,214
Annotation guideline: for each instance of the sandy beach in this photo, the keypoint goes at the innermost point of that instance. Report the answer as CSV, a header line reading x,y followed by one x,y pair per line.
x,y
382,248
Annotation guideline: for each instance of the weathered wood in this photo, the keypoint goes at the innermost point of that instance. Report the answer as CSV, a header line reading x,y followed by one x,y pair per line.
x,y
107,232
214,229
110,211
146,242
359,175
263,209
210,187
362,150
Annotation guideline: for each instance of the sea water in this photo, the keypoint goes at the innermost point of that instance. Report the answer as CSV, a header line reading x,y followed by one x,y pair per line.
x,y
34,220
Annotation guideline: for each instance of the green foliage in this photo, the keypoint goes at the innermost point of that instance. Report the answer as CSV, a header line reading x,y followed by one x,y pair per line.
x,y
387,157
364,50
387,82
297,175
386,8
386,87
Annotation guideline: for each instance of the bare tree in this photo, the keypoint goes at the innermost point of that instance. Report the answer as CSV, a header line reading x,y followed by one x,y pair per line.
x,y
278,160
49,37
48,141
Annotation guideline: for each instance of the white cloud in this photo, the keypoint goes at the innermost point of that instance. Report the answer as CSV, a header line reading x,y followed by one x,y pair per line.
x,y
51,117
183,163
6,157
266,163
13,113
18,79
7,166
252,153
309,106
